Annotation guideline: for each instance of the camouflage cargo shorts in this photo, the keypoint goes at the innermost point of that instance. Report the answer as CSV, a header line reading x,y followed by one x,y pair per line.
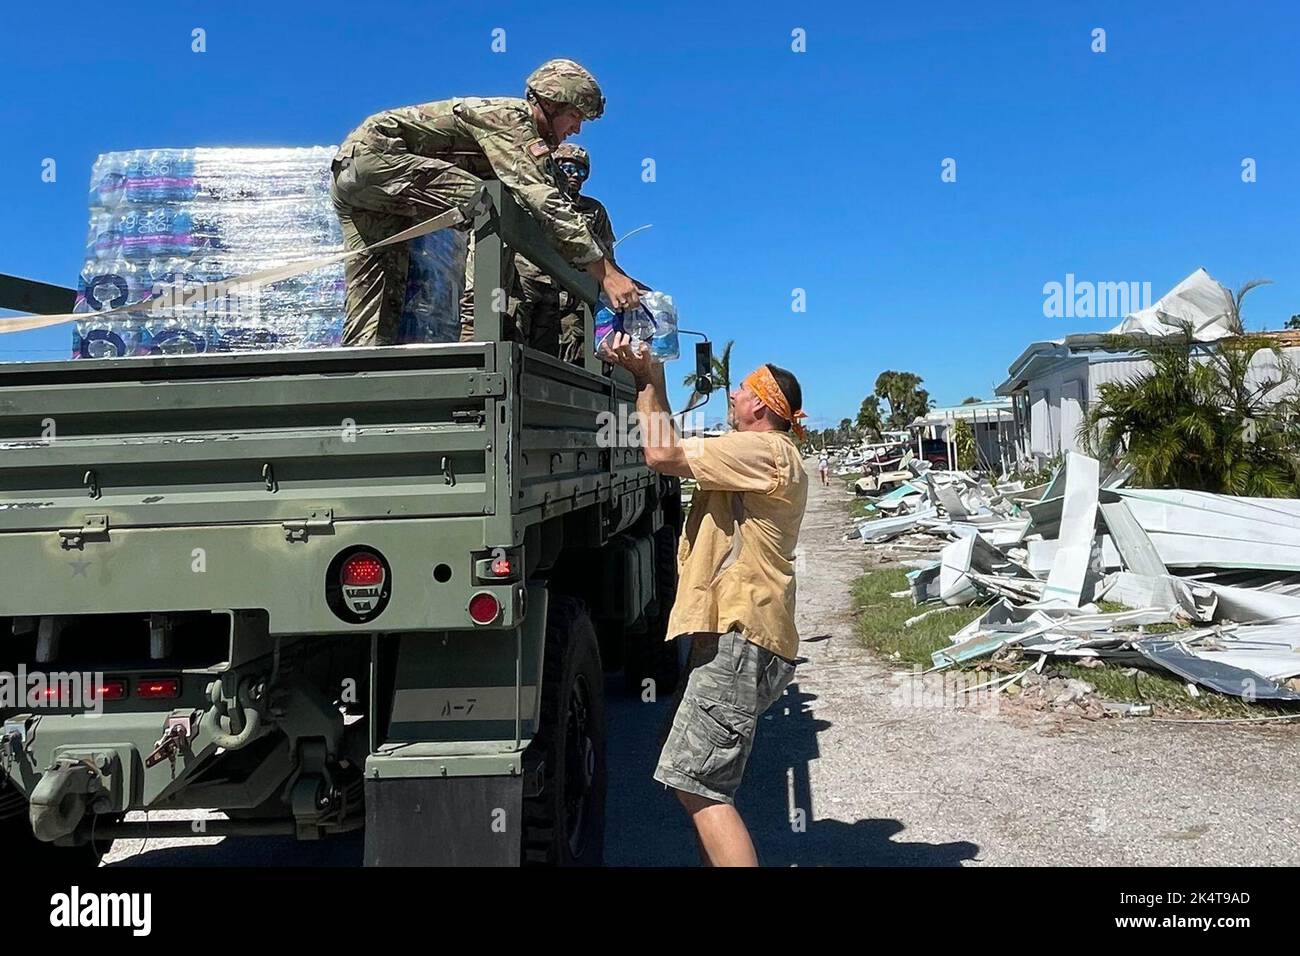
x,y
731,683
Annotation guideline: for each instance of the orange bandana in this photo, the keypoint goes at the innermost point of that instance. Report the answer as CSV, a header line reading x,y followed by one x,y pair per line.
x,y
763,384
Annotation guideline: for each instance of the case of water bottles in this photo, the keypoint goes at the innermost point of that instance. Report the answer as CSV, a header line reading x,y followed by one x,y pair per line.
x,y
653,322
165,221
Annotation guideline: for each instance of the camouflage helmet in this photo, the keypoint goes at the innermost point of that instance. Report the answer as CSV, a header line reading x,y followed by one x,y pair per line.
x,y
563,81
573,152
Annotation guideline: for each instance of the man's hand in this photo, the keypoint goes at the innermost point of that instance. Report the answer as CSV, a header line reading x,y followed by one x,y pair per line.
x,y
621,291
623,350
659,438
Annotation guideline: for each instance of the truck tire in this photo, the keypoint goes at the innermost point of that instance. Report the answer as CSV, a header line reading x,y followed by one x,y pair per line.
x,y
564,824
649,655
23,849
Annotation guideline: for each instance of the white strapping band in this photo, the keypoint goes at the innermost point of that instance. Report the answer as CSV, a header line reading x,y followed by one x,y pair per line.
x,y
209,291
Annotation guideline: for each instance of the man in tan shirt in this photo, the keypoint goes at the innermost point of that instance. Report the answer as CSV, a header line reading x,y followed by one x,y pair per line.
x,y
736,588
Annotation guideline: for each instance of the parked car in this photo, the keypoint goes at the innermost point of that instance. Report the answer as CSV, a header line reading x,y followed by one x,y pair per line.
x,y
935,451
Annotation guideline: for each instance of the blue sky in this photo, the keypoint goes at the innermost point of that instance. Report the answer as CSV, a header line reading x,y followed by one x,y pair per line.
x,y
775,170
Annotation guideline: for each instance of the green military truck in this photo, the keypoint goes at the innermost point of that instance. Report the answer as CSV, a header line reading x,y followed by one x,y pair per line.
x,y
328,590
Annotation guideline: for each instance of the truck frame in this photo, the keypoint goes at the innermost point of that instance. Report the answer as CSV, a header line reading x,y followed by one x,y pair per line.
x,y
329,590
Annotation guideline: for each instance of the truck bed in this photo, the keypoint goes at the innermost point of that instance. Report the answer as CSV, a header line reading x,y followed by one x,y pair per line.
x,y
120,478
230,439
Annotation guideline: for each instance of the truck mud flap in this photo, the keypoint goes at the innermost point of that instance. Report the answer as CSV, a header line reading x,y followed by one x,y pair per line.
x,y
444,821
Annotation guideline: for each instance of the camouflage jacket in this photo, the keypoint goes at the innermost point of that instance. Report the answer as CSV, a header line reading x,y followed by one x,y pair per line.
x,y
493,138
593,210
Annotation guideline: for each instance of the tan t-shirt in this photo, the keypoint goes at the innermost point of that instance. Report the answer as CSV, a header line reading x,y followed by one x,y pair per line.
x,y
736,562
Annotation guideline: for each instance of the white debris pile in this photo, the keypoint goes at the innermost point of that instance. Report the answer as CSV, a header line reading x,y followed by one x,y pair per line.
x,y
943,505
1203,586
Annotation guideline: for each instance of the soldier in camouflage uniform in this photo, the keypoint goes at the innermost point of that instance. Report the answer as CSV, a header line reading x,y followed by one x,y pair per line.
x,y
403,166
547,315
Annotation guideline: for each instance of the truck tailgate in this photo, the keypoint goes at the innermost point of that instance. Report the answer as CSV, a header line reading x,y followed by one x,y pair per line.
x,y
248,438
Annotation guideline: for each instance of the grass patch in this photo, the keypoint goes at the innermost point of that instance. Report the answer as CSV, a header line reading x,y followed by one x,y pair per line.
x,y
860,508
1163,627
881,619
880,626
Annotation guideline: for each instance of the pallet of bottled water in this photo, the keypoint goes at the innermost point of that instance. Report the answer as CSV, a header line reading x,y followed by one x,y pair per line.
x,y
168,226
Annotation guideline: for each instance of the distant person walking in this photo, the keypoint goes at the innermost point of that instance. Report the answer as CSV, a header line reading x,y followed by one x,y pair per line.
x,y
824,468
736,588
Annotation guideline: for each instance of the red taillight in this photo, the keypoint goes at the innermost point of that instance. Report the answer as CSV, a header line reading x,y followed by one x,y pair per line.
x,y
112,690
484,608
159,687
361,570
501,567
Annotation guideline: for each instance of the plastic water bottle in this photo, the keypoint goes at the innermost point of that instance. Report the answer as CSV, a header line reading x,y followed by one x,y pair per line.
x,y
108,179
603,324
171,232
112,339
653,322
322,331
639,324
663,343
103,236
174,337
112,283
160,176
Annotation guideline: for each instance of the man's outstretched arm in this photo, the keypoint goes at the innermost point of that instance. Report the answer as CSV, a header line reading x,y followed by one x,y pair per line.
x,y
663,448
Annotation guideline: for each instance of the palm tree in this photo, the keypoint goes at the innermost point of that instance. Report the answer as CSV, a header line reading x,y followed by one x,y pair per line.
x,y
869,422
1203,418
721,370
1234,303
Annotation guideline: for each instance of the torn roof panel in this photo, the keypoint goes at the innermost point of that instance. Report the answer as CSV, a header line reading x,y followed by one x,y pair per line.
x,y
1134,545
1214,674
1069,574
1272,650
1199,529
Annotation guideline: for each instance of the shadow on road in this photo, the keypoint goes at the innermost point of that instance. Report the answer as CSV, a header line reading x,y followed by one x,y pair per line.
x,y
645,824
647,827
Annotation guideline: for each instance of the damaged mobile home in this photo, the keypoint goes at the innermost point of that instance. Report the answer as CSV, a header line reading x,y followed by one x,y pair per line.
x,y
1051,384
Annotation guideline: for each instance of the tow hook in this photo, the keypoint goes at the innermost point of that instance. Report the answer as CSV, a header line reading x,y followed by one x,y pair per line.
x,y
13,742
247,700
65,792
